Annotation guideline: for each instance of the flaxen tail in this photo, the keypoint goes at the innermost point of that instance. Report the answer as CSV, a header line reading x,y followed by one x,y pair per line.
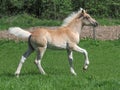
x,y
19,32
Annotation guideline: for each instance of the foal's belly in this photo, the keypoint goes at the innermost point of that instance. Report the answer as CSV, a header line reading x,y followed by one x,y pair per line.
x,y
57,46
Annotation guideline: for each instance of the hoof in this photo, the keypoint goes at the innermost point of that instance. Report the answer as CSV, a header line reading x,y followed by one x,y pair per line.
x,y
74,74
17,75
85,67
43,73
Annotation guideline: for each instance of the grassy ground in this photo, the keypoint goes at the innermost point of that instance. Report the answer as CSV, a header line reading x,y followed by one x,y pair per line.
x,y
108,21
26,21
103,72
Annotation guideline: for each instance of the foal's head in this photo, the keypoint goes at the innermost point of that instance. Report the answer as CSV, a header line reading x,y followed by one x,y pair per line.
x,y
80,17
86,19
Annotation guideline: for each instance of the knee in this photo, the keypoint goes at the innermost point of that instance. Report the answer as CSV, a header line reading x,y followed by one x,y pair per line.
x,y
85,52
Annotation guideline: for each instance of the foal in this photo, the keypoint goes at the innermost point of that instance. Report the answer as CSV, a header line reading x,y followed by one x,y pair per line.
x,y
66,36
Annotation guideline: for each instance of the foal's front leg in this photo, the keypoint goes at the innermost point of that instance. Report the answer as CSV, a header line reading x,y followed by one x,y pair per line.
x,y
70,59
81,50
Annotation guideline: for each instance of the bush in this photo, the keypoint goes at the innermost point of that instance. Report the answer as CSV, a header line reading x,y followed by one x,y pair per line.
x,y
58,9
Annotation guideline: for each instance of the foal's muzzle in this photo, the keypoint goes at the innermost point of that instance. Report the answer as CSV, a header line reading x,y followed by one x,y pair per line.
x,y
95,24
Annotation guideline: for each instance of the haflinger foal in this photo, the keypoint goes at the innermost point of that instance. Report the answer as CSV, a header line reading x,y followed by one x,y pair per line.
x,y
66,36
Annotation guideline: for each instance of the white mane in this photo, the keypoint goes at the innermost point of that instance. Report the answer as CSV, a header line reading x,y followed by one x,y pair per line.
x,y
71,17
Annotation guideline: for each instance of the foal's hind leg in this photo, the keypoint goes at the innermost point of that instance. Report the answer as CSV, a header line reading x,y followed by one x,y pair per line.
x,y
23,58
70,59
40,53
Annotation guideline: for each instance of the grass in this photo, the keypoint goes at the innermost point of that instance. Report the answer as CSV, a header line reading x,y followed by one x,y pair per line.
x,y
103,72
108,21
26,21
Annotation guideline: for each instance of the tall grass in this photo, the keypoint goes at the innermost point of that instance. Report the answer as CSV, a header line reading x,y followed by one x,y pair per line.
x,y
102,74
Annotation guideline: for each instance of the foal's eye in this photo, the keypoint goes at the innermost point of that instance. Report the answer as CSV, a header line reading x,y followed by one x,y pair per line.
x,y
86,17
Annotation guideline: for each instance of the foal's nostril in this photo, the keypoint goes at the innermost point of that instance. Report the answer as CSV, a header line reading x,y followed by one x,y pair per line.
x,y
95,24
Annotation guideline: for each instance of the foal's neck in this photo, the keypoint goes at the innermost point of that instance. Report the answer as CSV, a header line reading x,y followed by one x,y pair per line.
x,y
76,27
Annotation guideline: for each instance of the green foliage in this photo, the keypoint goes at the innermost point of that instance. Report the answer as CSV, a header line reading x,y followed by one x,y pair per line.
x,y
58,9
55,9
102,74
17,3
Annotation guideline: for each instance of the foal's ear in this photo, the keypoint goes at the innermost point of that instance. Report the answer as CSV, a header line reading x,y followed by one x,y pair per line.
x,y
83,11
81,14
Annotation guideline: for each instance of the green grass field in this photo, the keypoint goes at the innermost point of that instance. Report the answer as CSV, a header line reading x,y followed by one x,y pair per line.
x,y
102,74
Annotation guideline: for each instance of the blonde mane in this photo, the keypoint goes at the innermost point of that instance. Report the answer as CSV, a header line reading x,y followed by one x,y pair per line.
x,y
71,17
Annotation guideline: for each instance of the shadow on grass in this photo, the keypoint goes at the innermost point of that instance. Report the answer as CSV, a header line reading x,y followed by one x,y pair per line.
x,y
7,75
12,75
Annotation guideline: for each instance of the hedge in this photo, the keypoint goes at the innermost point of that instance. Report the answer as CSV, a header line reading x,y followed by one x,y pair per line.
x,y
58,9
